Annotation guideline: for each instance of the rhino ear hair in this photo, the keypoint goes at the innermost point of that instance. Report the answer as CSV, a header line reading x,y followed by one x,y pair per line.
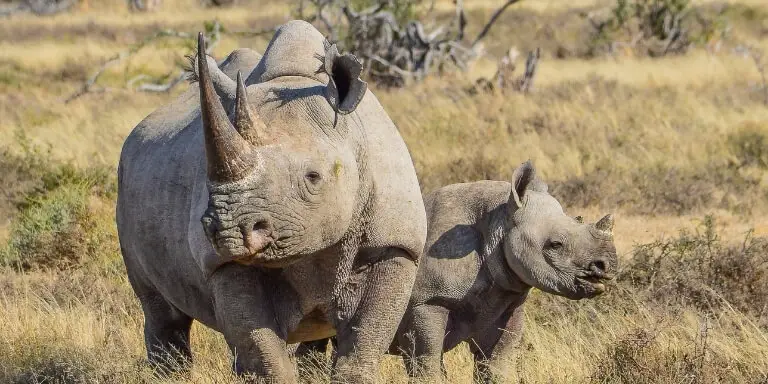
x,y
522,179
538,185
345,89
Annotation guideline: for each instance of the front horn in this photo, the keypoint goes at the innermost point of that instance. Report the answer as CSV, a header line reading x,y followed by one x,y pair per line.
x,y
605,224
226,151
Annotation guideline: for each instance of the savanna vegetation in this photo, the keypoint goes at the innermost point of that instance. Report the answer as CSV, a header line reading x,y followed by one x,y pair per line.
x,y
661,118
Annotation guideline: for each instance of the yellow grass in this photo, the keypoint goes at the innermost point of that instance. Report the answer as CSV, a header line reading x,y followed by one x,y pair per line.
x,y
627,115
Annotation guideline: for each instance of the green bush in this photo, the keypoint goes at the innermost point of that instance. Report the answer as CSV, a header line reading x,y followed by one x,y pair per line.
x,y
62,215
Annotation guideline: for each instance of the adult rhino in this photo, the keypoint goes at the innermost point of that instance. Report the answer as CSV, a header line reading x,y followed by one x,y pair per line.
x,y
295,216
488,244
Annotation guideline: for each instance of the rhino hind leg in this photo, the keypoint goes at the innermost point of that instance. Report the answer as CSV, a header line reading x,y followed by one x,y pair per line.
x,y
166,335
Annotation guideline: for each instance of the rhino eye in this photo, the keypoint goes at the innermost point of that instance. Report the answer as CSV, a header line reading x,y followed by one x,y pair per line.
x,y
313,177
554,245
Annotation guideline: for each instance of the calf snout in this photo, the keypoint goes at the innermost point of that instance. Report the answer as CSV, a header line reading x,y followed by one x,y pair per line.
x,y
601,268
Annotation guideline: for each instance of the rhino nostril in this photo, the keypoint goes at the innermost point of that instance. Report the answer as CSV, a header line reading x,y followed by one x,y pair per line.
x,y
261,227
258,237
597,266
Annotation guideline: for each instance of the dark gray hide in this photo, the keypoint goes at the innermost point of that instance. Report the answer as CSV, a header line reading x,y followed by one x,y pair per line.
x,y
280,209
488,243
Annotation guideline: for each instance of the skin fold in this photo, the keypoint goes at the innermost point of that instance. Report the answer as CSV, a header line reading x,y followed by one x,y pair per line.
x,y
266,202
488,244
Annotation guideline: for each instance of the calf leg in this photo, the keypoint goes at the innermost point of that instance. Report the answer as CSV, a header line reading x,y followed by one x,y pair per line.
x,y
496,352
382,295
246,317
420,339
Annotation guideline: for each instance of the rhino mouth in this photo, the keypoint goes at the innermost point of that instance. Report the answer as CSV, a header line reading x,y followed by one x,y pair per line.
x,y
594,284
262,252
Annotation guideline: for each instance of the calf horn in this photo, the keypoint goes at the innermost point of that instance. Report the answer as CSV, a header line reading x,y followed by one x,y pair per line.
x,y
225,149
247,122
605,224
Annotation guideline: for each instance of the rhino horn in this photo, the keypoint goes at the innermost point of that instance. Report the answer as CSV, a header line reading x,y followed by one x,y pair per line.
x,y
605,224
225,149
247,122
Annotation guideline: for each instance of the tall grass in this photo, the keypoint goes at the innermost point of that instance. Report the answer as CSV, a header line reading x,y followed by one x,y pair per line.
x,y
658,141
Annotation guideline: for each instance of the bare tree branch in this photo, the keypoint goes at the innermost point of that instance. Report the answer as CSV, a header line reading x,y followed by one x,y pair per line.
x,y
493,19
90,83
526,81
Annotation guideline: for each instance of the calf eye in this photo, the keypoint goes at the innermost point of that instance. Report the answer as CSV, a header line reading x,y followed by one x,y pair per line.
x,y
313,177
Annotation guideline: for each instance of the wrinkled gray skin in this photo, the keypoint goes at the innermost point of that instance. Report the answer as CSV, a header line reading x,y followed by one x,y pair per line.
x,y
487,245
271,210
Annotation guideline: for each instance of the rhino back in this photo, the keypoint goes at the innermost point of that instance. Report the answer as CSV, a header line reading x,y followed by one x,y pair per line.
x,y
457,228
400,219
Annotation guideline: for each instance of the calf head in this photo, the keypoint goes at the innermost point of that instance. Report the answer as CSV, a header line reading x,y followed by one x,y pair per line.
x,y
551,251
286,186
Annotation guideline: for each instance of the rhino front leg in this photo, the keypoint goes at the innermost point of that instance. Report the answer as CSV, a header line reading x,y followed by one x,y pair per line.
x,y
245,316
422,345
166,335
382,298
166,328
497,353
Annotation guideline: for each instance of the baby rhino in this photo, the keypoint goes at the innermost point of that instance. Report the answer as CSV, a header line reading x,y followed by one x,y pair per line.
x,y
488,243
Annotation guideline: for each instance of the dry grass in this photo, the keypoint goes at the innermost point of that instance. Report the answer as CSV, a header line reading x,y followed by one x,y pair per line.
x,y
660,142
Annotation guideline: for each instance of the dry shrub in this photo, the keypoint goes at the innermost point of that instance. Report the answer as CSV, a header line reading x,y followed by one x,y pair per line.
x,y
699,270
19,174
750,144
640,357
654,27
664,189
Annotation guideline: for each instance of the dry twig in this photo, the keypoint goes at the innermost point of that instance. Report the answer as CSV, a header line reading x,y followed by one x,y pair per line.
x,y
90,83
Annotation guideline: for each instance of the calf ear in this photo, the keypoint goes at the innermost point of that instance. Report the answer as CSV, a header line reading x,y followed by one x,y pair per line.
x,y
345,88
522,179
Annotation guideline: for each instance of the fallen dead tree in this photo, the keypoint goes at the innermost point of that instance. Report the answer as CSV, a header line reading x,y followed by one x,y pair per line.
x,y
505,79
395,52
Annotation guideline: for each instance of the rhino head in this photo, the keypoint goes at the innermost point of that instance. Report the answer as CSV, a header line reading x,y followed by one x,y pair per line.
x,y
284,175
551,251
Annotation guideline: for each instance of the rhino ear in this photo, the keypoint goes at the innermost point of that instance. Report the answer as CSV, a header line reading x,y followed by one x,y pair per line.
x,y
345,88
522,179
538,185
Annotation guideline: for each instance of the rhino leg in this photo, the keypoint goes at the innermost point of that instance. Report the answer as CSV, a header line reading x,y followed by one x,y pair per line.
x,y
166,335
245,315
422,345
383,296
497,351
166,329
